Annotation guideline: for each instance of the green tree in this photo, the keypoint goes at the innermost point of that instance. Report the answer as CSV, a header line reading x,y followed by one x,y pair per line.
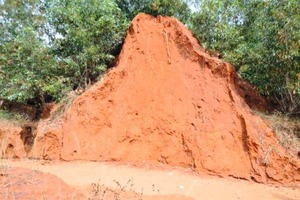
x,y
177,8
261,38
28,72
86,36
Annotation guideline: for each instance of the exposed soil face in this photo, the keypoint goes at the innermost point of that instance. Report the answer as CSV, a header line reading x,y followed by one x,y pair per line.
x,y
16,140
11,144
168,101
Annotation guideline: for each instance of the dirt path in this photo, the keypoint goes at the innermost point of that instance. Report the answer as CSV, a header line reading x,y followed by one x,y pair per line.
x,y
158,182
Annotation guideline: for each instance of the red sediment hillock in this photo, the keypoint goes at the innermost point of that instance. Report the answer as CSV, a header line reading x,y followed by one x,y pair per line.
x,y
168,101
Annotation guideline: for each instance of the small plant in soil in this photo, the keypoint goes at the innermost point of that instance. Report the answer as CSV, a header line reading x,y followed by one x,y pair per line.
x,y
101,192
16,117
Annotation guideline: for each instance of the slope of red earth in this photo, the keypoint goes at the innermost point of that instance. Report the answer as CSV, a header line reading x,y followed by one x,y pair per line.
x,y
26,184
167,101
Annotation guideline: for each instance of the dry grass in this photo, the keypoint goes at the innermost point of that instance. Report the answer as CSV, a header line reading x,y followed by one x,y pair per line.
x,y
101,192
16,118
287,130
63,106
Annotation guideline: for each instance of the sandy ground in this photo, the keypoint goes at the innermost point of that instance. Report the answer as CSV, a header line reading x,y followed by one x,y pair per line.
x,y
158,181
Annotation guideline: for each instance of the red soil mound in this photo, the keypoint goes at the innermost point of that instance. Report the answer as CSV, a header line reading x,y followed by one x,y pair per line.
x,y
168,101
26,184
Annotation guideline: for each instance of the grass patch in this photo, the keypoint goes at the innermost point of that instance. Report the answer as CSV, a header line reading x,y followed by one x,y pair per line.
x,y
12,116
64,104
287,129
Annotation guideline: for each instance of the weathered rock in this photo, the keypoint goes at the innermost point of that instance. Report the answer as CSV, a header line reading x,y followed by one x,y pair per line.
x,y
11,144
48,139
168,101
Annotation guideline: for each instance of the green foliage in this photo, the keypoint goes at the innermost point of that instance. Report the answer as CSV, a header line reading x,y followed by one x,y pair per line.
x,y
87,36
261,38
216,24
176,8
28,72
49,47
17,117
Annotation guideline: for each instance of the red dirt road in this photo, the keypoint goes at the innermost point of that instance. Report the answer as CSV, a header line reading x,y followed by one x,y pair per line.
x,y
156,183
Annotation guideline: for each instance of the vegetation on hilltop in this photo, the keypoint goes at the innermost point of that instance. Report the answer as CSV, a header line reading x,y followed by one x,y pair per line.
x,y
48,48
